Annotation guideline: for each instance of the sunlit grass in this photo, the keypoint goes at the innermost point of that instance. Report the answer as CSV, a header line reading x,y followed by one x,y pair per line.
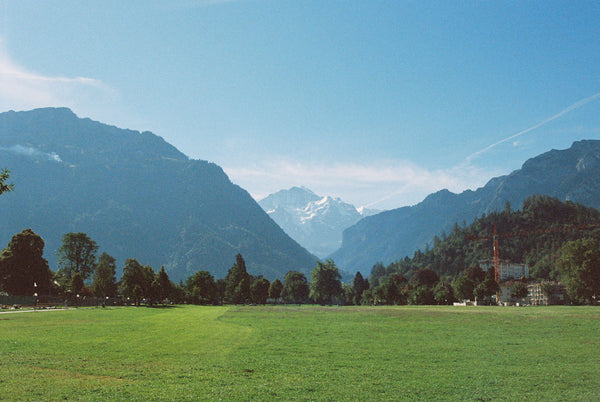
x,y
331,353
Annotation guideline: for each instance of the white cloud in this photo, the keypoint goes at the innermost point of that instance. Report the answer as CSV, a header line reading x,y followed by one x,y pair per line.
x,y
383,185
33,152
21,89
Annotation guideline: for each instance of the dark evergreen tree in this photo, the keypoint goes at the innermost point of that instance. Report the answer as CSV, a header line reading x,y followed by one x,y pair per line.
x,y
163,285
359,285
237,290
4,186
377,272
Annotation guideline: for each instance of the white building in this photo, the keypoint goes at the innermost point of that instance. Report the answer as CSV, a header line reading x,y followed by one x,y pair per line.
x,y
508,270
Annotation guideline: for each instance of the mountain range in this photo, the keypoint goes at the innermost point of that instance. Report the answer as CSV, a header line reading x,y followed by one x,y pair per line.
x,y
316,222
569,175
135,195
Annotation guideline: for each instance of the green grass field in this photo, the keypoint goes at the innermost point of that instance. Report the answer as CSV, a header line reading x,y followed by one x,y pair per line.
x,y
308,353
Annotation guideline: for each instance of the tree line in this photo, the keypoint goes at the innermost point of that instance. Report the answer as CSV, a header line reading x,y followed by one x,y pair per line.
x,y
441,274
81,273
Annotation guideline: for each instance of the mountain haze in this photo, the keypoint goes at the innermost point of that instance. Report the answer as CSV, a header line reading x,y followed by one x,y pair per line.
x,y
314,221
136,195
568,175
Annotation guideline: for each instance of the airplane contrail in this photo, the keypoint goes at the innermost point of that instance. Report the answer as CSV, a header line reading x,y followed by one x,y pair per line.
x,y
566,110
467,161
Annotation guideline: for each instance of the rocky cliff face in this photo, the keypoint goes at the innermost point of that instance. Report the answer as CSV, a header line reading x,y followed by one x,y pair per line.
x,y
572,174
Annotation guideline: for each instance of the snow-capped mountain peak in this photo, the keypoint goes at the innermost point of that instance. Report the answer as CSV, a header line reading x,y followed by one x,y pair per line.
x,y
313,221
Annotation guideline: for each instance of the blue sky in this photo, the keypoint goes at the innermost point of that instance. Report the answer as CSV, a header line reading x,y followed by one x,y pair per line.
x,y
377,102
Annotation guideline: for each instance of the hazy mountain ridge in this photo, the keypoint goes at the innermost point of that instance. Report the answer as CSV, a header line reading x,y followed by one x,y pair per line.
x,y
136,195
572,174
314,221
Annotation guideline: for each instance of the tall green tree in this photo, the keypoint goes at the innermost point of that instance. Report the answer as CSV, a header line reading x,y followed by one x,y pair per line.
x,y
4,186
105,283
259,290
77,253
359,284
136,282
275,289
237,289
77,284
201,288
485,290
463,287
579,263
221,288
163,287
422,295
393,290
23,269
424,277
325,282
443,293
295,288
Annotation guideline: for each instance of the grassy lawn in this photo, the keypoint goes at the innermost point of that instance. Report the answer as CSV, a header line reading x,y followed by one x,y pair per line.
x,y
309,353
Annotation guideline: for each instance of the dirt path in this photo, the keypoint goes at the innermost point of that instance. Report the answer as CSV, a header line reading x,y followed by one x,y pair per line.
x,y
33,311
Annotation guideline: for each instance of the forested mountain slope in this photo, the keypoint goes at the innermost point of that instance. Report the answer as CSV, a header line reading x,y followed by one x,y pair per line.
x,y
136,195
572,174
532,235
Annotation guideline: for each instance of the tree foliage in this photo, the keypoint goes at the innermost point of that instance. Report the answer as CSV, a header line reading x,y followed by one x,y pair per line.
x,y
295,288
325,282
4,186
443,293
23,269
162,286
259,290
136,282
105,283
394,290
519,291
77,254
579,262
237,290
359,285
275,289
201,288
